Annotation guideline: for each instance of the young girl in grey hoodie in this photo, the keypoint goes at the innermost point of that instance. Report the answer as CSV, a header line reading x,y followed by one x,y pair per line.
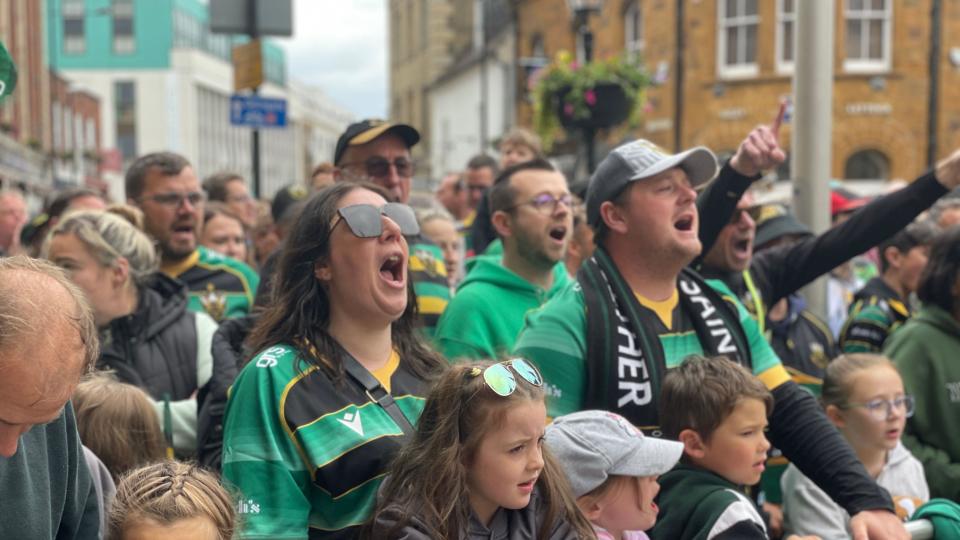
x,y
476,467
864,397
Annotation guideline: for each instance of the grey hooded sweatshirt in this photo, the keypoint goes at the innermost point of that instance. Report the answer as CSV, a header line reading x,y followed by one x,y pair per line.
x,y
808,510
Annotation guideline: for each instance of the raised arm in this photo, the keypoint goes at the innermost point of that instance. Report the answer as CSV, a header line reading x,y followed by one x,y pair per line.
x,y
759,151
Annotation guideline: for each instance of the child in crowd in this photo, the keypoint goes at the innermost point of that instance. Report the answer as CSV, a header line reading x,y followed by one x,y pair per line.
x,y
118,423
612,469
170,499
441,229
519,145
476,467
863,396
719,411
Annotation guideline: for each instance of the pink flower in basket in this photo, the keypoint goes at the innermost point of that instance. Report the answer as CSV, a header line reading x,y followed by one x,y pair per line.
x,y
590,97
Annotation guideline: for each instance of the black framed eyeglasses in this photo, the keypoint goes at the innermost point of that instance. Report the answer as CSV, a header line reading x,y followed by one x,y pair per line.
x,y
174,199
880,409
378,167
546,203
364,219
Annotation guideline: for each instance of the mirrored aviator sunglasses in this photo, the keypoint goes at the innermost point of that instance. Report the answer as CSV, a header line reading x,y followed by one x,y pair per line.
x,y
500,379
364,219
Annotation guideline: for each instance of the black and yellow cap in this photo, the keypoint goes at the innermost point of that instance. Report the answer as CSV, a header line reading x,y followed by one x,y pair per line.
x,y
367,130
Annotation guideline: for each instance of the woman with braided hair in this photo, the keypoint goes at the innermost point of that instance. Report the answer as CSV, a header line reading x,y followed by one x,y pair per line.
x,y
170,499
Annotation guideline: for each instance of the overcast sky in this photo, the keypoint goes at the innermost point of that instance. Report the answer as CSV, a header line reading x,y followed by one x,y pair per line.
x,y
341,46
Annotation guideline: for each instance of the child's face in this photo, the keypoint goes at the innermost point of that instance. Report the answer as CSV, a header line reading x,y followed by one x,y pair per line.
x,y
629,507
508,461
511,154
194,528
738,448
858,423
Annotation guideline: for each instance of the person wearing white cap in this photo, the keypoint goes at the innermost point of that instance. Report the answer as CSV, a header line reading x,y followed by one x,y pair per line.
x,y
648,311
612,468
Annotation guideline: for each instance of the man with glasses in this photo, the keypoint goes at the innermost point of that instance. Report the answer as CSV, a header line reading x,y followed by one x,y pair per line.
x,y
760,280
379,152
452,194
164,186
637,310
531,211
481,170
230,189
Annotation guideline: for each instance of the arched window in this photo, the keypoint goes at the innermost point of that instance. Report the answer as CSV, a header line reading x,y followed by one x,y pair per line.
x,y
867,165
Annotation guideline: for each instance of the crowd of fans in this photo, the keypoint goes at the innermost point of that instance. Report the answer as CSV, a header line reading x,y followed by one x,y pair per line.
x,y
520,356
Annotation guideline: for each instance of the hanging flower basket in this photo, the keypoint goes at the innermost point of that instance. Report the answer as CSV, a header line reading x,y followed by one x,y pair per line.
x,y
599,94
607,105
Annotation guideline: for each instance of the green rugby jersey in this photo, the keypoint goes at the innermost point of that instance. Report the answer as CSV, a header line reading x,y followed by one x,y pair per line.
x,y
871,322
307,456
219,286
554,337
429,277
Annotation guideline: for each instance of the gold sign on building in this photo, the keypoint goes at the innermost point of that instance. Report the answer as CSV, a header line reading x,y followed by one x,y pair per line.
x,y
247,66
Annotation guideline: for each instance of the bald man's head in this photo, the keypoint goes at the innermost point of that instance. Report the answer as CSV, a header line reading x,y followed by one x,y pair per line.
x,y
47,341
40,308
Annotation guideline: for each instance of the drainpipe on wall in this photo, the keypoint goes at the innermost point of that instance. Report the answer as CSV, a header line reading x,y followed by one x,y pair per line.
x,y
678,88
936,28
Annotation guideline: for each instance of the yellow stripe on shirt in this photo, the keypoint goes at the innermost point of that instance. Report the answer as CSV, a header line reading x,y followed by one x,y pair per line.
x,y
774,376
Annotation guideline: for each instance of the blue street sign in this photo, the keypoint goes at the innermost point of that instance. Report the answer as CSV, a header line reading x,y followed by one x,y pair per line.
x,y
258,112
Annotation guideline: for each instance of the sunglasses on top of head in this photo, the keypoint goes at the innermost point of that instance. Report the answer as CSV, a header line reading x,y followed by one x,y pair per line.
x,y
499,377
364,220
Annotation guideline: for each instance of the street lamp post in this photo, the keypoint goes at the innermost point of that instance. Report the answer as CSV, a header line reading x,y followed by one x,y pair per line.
x,y
581,11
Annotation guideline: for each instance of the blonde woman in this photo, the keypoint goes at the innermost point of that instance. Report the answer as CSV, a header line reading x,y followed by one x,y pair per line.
x,y
148,336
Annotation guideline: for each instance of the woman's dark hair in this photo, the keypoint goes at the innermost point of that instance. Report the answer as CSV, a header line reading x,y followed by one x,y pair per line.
x,y
300,313
938,282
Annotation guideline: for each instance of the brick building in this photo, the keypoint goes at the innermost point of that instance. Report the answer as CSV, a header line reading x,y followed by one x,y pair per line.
x,y
737,63
49,128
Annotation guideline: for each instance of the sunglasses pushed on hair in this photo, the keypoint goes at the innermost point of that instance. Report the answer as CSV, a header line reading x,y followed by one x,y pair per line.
x,y
500,379
364,219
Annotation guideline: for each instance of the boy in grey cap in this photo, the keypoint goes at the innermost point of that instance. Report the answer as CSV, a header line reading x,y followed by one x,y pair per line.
x,y
613,469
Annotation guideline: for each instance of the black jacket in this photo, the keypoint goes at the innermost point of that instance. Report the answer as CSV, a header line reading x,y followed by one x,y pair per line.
x,y
155,348
228,354
802,341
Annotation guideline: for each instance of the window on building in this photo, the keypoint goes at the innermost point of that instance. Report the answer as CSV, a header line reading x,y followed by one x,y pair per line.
x,y
91,134
123,39
737,23
536,47
633,29
74,31
125,110
868,35
57,127
786,35
867,165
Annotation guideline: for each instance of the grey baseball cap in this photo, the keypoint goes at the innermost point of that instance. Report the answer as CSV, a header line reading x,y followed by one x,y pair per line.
x,y
642,159
592,445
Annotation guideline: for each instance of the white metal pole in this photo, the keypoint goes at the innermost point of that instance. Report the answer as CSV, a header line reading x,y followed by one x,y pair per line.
x,y
813,118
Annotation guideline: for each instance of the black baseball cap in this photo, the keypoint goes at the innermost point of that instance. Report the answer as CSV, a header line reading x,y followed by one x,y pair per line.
x,y
775,221
367,130
284,200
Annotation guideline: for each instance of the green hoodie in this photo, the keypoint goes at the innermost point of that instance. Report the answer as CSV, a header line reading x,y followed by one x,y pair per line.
x,y
925,350
485,316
